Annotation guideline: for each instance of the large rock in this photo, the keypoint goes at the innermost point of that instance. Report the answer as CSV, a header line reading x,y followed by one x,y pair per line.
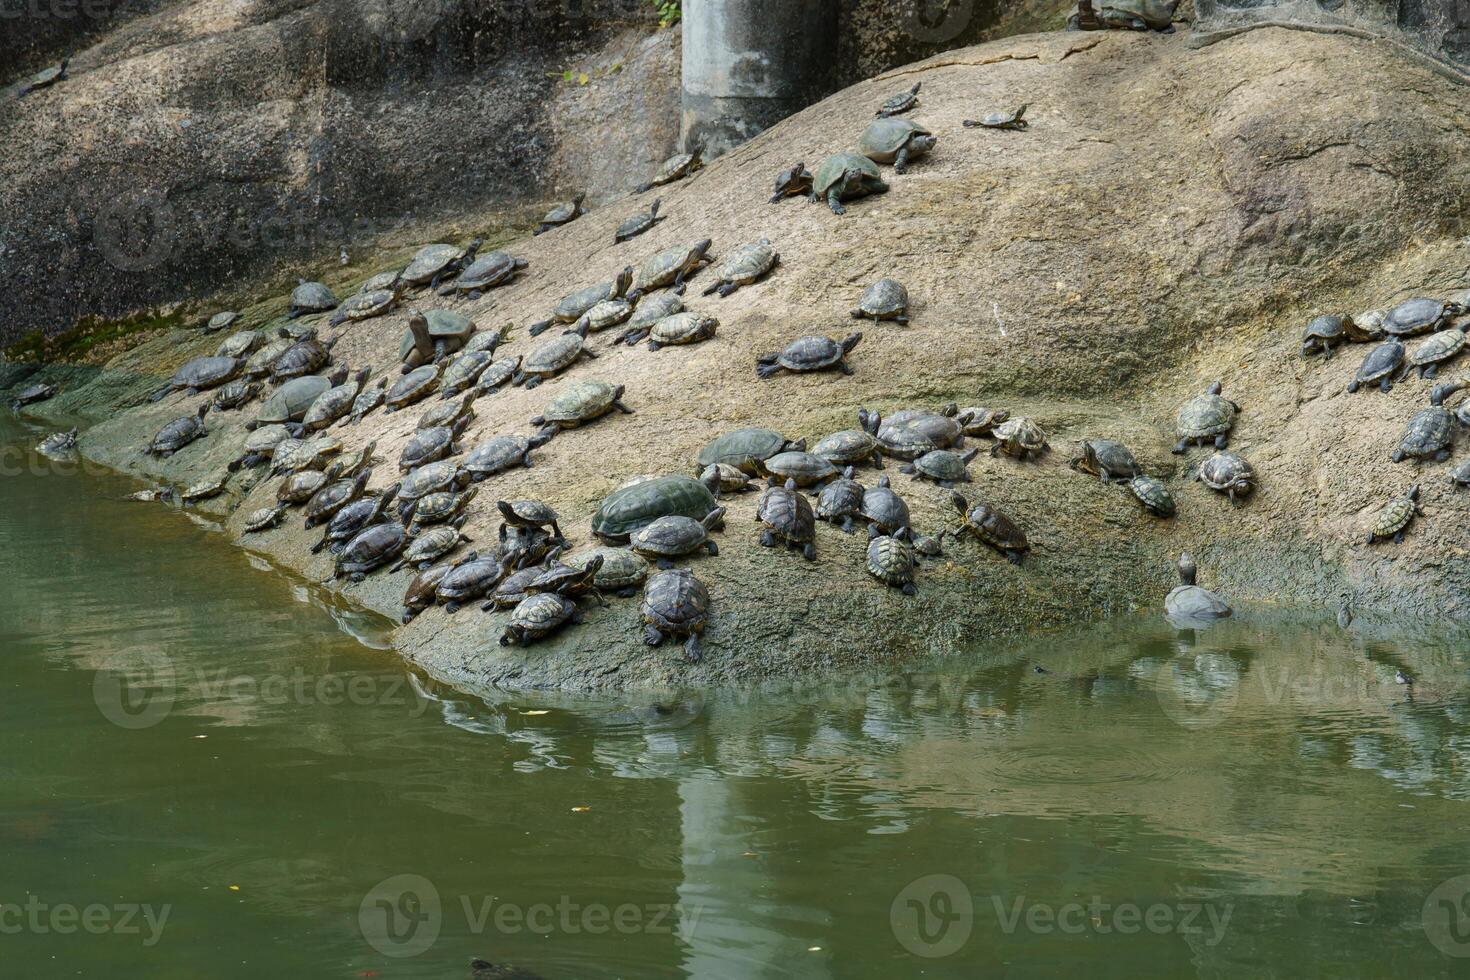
x,y
1171,218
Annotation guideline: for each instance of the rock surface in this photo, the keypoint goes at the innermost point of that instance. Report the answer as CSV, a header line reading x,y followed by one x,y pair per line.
x,y
1173,217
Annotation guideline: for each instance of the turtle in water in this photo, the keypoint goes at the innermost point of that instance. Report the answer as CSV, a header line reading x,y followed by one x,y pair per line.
x,y
636,505
944,467
841,501
639,223
1205,418
1138,15
311,297
676,167
895,141
538,616
677,536
1227,473
1189,602
1430,432
484,274
885,299
58,443
1107,460
44,78
1436,349
1015,119
1020,438
991,527
502,453
675,603
574,304
580,403
1153,494
744,266
439,262
809,354
792,182
366,305
902,102
553,357
178,434
891,560
788,519
845,176
31,394
370,549
1382,367
1324,333
564,213
883,509
1395,517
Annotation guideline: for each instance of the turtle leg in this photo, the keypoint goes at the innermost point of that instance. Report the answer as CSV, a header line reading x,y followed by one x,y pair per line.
x,y
1386,384
1222,440
1398,538
844,367
1442,455
712,548
1179,449
834,201
536,329
627,593
847,527
725,289
809,552
664,563
908,589
1013,556
768,540
901,162
556,531
652,636
532,382
901,320
691,649
873,532
451,608
622,408
1372,537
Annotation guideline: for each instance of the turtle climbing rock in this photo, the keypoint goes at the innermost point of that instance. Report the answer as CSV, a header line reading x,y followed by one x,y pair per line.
x,y
1323,334
891,560
807,354
1430,433
676,167
1228,473
562,214
845,177
538,616
788,519
1015,119
792,182
1382,367
900,103
639,223
675,603
744,266
1395,517
1205,418
991,527
178,434
311,297
885,299
1153,494
895,141
580,403
1108,460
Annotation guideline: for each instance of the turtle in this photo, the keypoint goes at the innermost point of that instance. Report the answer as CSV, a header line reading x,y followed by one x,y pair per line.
x,y
178,434
1366,327
792,182
896,141
788,519
522,547
238,345
1323,333
722,478
891,560
450,413
499,374
1138,15
263,519
221,321
326,502
383,280
200,374
571,306
430,445
289,403
431,478
634,506
1189,602
258,366
1395,517
639,223
849,446
1382,367
300,359
527,513
564,213
1019,437
205,489
579,403
1205,418
608,313
301,485
978,421
334,403
807,469
885,299
414,386
484,274
439,262
1436,349
1001,119
431,337
809,354
366,305
1107,460
367,400
353,517
538,616
1153,494
569,581
311,454
422,591
676,536
444,507
671,267
744,266
44,78
676,167
926,545
944,467
511,590
746,449
681,328
296,332
33,393
158,495
675,603
1430,432
354,461
883,509
1419,315
654,308
618,570
58,443
370,549
991,527
553,357
461,373
502,453
845,176
840,501
429,546
1227,473
311,297
236,394
468,580
488,341
911,432
902,102
259,446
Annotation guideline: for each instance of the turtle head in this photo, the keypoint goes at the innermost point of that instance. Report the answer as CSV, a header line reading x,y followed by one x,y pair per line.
x,y
623,281
1021,112
363,375
1444,391
847,473
386,497
957,499
1215,389
1413,493
790,484
796,446
507,510
714,519
361,482
578,198
702,247
915,89
338,377
657,203
868,421
851,341
711,479
1187,569
949,409
203,410
423,343
922,143
594,566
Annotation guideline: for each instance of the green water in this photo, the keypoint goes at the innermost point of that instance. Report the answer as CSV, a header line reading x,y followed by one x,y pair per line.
x,y
221,748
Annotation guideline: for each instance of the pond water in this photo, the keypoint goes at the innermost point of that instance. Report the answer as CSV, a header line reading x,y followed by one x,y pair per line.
x,y
209,771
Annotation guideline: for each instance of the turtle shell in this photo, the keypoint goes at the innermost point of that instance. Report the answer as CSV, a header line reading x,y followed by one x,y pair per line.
x,y
422,591
463,372
438,507
978,421
238,345
884,299
788,514
260,362
901,102
884,137
1429,433
1394,517
176,435
431,478
803,467
427,446
413,386
631,508
470,580
266,438
848,446
675,601
368,399
1205,416
1227,472
669,536
683,328
885,508
564,212
1105,457
842,498
1000,118
1416,316
533,513
941,464
371,548
608,313
498,375
748,263
811,354
582,401
554,355
677,166
1439,346
1366,326
996,529
891,560
655,308
429,261
541,613
1380,364
326,502
573,305
1153,494
221,321
365,305
943,430
331,405
836,166
487,271
204,490
450,413
620,569
291,401
379,282
263,518
431,544
312,297
662,268
301,358
499,454
31,394
301,486
487,340
744,449
203,373
1326,327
